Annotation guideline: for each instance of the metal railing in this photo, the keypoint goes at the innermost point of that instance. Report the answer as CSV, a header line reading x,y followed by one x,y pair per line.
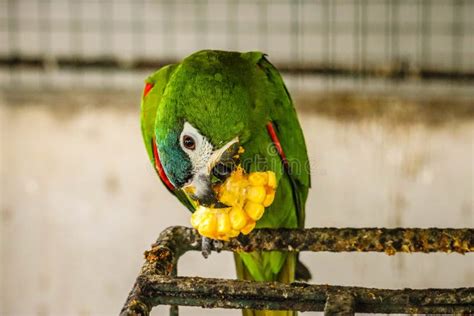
x,y
423,39
158,283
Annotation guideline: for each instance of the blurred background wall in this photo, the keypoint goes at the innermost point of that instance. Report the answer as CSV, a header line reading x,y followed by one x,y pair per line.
x,y
384,91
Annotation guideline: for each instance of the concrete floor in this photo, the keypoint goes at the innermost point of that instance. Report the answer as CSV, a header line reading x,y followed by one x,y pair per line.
x,y
80,201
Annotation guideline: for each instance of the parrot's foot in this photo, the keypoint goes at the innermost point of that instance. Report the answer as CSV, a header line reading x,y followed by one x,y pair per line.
x,y
218,245
209,244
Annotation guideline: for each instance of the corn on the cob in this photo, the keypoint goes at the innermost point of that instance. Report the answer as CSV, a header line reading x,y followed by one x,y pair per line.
x,y
247,196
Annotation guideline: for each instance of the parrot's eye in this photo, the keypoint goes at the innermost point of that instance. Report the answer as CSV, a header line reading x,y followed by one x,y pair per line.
x,y
188,142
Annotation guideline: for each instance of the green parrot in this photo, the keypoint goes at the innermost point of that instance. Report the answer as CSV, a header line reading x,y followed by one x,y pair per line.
x,y
194,116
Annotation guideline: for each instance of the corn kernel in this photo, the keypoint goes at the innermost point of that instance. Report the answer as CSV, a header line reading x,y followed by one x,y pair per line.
x,y
233,233
238,218
223,223
227,197
248,228
222,237
197,216
269,198
256,194
254,210
258,178
208,224
272,181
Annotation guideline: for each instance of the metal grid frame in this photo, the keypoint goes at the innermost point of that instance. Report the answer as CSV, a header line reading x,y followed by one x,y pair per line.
x,y
158,283
396,39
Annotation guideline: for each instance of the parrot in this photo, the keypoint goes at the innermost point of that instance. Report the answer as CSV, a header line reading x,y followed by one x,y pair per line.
x,y
195,114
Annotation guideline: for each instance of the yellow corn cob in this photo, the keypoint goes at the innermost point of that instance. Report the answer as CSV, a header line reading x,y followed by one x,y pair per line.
x,y
247,195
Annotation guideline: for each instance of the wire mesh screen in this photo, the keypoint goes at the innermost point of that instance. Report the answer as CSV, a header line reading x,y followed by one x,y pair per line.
x,y
428,39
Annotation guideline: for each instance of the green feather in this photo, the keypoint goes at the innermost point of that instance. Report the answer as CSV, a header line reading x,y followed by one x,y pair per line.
x,y
149,106
287,210
148,115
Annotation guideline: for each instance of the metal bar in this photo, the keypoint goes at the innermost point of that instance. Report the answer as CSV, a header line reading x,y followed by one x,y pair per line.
x,y
12,42
356,35
426,34
240,294
262,25
44,16
327,37
457,36
364,34
138,28
388,240
106,27
169,38
201,19
332,70
394,30
76,44
157,284
339,303
232,32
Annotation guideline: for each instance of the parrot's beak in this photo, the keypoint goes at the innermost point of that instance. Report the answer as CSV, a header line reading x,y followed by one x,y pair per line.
x,y
220,165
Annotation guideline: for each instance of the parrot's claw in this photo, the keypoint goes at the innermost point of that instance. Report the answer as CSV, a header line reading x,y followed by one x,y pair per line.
x,y
218,245
208,245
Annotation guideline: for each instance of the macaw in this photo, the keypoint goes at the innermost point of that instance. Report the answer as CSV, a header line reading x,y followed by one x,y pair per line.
x,y
194,112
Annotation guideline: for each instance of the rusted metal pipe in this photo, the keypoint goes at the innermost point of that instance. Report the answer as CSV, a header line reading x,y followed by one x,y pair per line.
x,y
180,239
219,293
339,302
158,284
393,71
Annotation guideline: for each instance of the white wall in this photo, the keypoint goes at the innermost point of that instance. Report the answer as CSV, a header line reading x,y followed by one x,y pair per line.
x,y
80,201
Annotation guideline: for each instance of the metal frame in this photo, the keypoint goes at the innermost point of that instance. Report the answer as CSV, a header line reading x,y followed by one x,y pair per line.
x,y
158,283
356,39
395,71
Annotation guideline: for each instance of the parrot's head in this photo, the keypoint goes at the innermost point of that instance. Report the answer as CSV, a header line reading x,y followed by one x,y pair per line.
x,y
202,120
193,163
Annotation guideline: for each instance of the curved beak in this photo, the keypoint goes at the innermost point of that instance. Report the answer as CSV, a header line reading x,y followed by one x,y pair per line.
x,y
220,165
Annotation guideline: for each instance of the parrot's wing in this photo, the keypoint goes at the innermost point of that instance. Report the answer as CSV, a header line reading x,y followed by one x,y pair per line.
x,y
285,129
287,137
155,86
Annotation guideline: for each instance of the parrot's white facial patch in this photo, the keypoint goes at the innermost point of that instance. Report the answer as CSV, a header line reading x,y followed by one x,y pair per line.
x,y
203,158
196,146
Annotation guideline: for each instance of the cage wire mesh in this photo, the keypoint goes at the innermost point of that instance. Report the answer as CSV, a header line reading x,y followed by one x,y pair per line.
x,y
319,43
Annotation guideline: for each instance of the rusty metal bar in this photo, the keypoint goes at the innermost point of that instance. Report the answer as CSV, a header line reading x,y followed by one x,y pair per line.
x,y
157,282
395,71
218,293
340,302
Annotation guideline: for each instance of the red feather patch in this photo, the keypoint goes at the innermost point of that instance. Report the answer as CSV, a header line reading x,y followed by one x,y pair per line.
x,y
276,143
147,88
159,168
